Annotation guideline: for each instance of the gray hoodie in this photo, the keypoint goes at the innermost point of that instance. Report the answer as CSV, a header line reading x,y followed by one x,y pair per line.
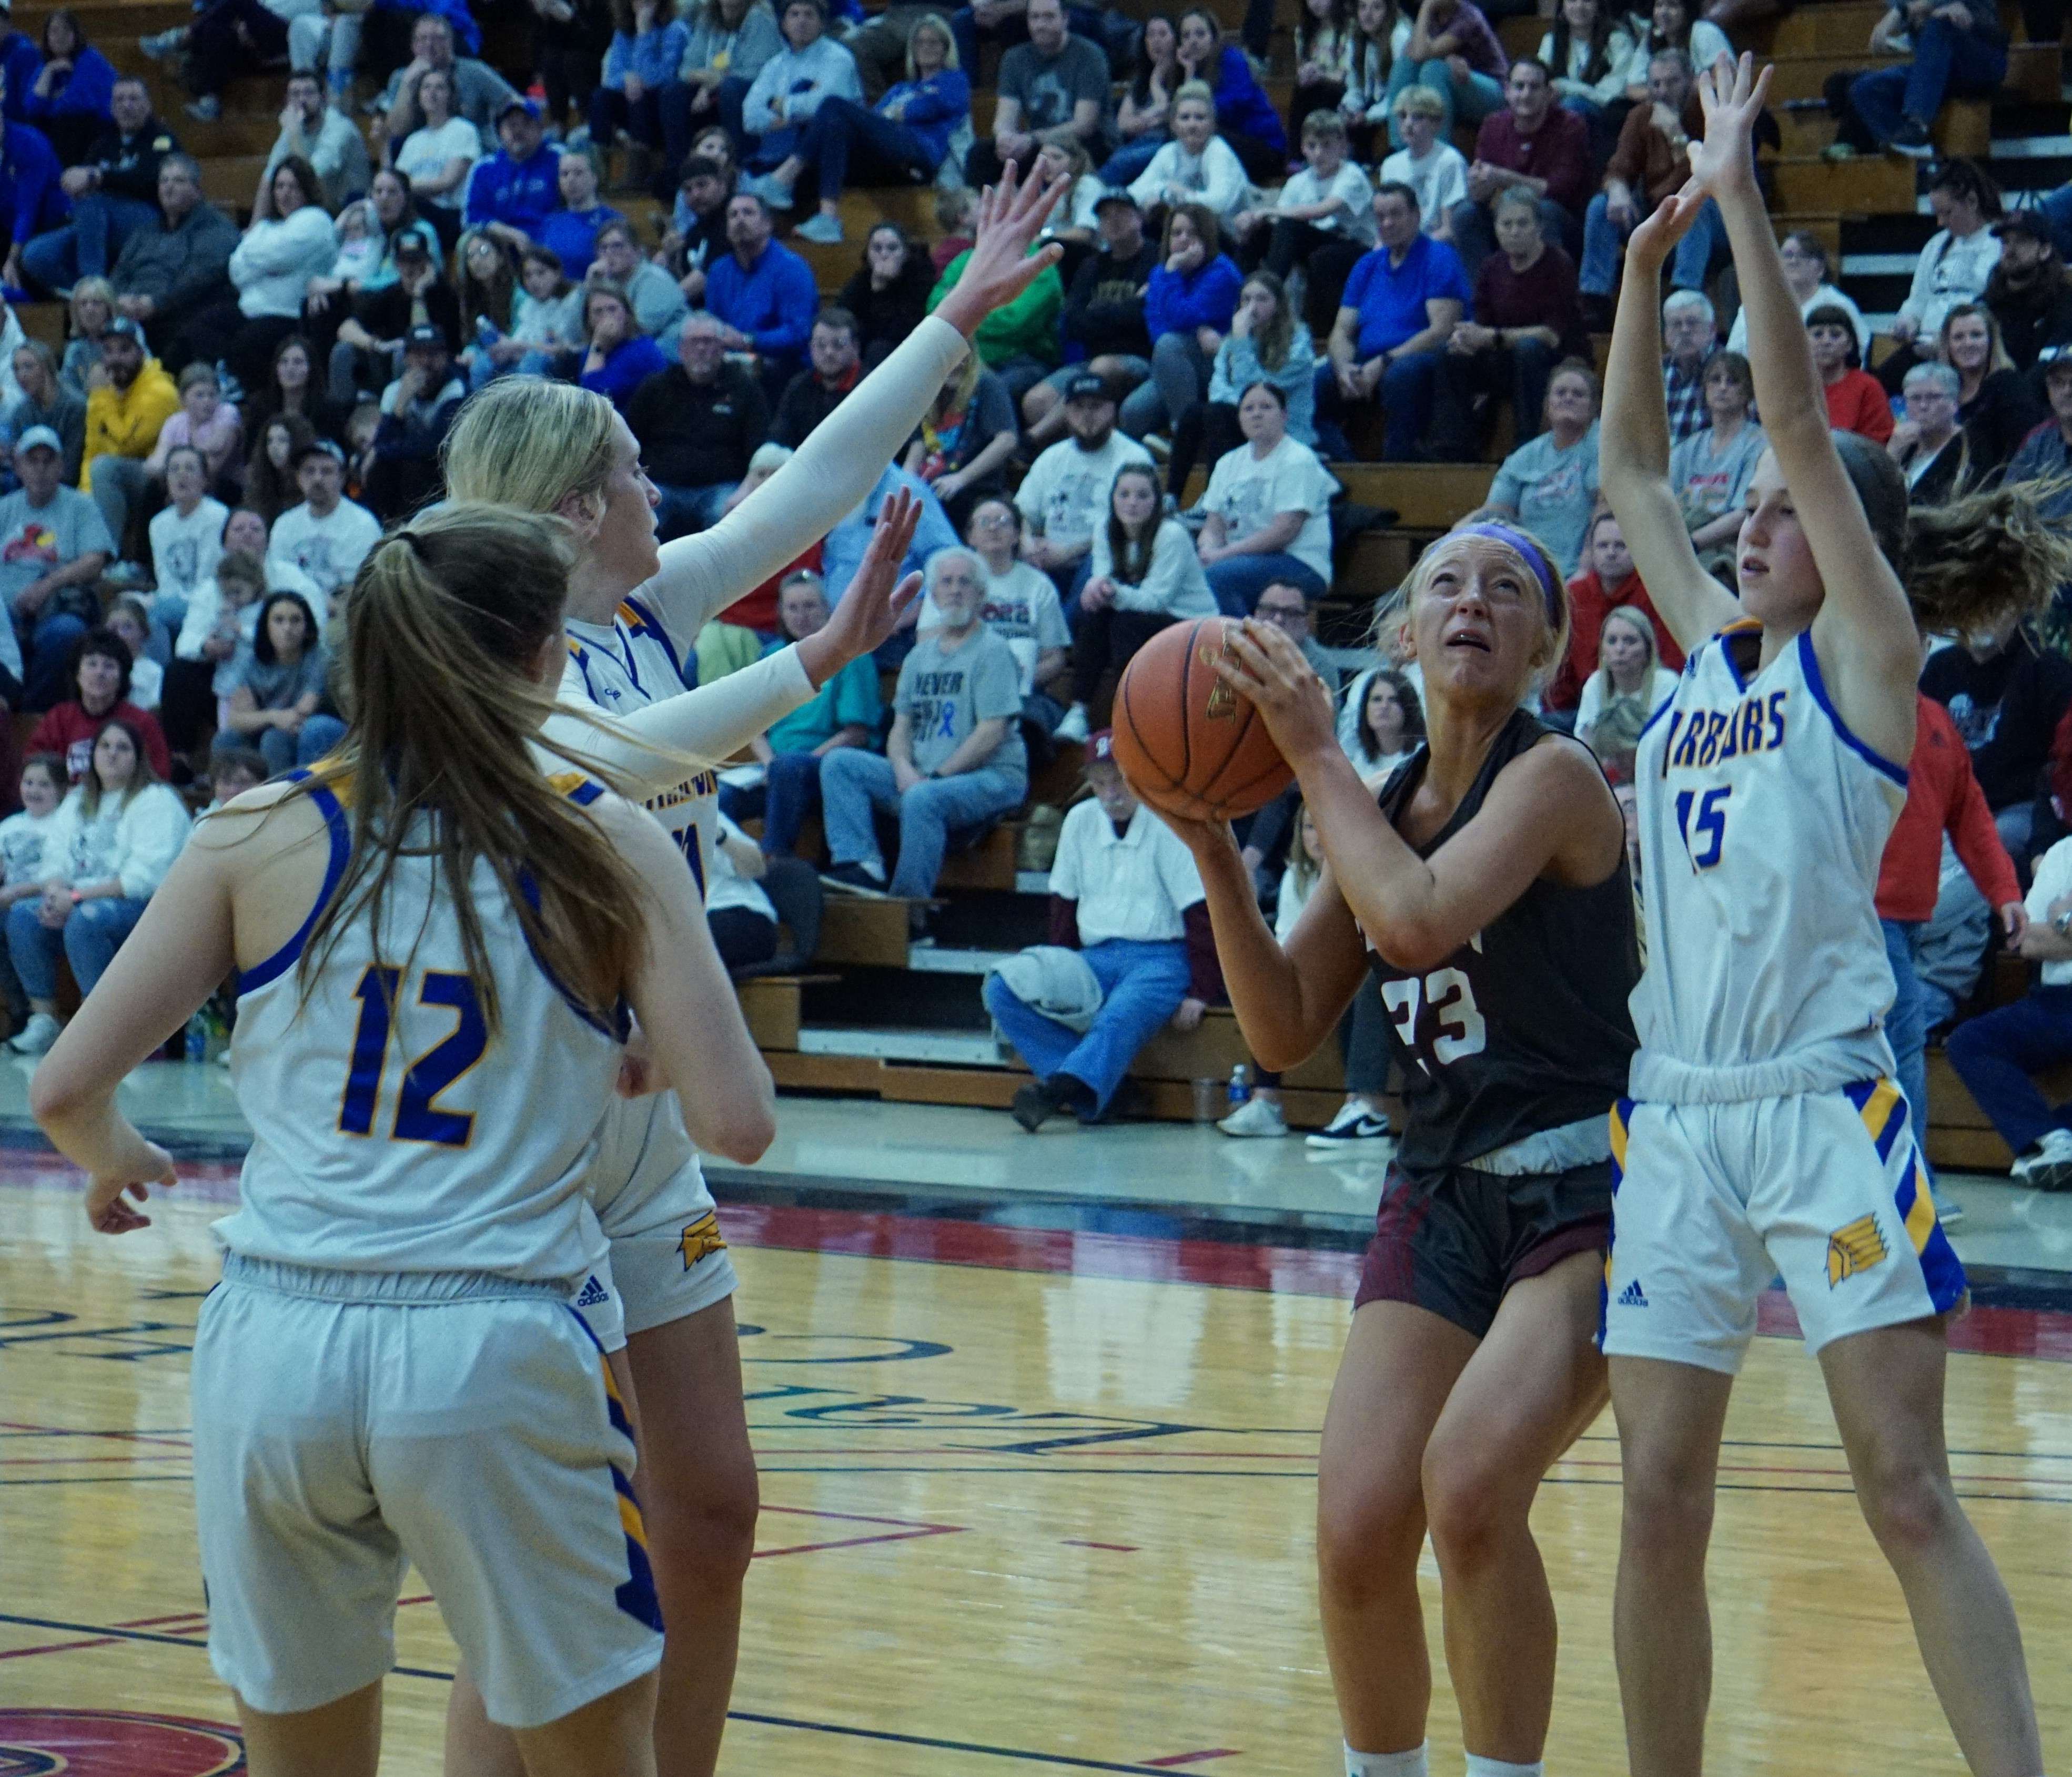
x,y
179,268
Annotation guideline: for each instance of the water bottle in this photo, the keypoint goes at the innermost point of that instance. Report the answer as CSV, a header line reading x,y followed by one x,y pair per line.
x,y
1239,1091
198,1037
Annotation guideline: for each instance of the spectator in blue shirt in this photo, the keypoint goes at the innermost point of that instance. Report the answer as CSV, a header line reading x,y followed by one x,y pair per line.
x,y
1401,305
20,62
32,200
511,192
648,45
1245,117
810,69
763,293
69,100
842,554
571,230
620,357
902,141
1187,309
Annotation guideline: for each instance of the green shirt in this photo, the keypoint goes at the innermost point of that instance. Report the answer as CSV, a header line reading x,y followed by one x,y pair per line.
x,y
1026,328
849,700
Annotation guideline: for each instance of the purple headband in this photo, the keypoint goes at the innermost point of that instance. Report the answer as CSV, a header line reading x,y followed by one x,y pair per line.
x,y
1536,559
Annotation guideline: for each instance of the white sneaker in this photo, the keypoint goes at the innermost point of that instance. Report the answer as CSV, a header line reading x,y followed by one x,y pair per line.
x,y
2048,1166
1354,1123
1073,726
1255,1117
37,1036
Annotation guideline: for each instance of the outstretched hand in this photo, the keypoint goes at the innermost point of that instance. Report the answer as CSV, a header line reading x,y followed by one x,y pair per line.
x,y
1731,95
1654,237
1010,216
1263,666
875,599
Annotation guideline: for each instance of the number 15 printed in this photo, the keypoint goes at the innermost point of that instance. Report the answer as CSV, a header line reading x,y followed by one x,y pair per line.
x,y
1701,818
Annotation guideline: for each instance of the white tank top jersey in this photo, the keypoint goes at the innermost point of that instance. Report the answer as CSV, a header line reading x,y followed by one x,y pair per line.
x,y
390,1131
625,666
1762,823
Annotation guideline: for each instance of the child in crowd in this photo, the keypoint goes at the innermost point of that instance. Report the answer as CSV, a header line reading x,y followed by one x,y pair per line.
x,y
127,619
25,859
206,421
231,771
546,322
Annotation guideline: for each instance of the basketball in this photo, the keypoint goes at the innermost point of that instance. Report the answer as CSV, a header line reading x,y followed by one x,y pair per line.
x,y
1186,741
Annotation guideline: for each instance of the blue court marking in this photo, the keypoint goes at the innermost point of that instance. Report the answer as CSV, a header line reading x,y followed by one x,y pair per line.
x,y
882,1736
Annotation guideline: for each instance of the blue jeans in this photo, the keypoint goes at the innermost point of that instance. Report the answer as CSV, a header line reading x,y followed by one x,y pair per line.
x,y
87,245
1905,1027
1471,100
1405,394
853,783
1128,162
791,791
890,151
683,509
1995,1054
1604,243
610,111
1946,61
680,123
88,941
47,648
1238,580
1143,984
283,751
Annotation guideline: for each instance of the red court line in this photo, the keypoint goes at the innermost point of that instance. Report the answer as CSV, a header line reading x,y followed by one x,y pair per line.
x,y
856,1517
1178,1758
184,1444
58,1647
858,1542
1111,1547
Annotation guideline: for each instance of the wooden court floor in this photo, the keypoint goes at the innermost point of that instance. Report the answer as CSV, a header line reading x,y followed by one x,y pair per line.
x,y
1031,1501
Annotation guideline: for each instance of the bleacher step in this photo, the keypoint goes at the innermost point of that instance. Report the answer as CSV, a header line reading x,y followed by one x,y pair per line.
x,y
933,959
953,1048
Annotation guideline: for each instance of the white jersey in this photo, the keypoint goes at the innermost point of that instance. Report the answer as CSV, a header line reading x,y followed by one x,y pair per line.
x,y
1762,823
391,1132
628,664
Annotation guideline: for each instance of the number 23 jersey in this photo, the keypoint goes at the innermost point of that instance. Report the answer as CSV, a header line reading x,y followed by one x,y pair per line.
x,y
1762,823
1525,1027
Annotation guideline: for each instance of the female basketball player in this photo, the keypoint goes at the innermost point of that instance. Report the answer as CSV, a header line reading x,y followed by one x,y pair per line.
x,y
1488,892
1766,1134
437,943
634,612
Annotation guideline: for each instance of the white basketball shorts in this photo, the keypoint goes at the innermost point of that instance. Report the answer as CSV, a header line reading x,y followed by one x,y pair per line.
x,y
348,1424
667,1259
1711,1201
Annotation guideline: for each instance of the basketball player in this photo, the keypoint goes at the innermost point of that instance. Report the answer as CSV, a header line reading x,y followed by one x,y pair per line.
x,y
1487,892
635,612
1766,1134
437,944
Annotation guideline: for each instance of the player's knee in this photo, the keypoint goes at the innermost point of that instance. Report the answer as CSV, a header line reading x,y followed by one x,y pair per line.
x,y
1667,1505
706,1536
1908,1504
1471,1496
1363,1526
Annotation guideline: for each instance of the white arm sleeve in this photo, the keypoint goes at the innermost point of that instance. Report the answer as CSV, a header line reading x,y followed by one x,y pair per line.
x,y
709,724
834,469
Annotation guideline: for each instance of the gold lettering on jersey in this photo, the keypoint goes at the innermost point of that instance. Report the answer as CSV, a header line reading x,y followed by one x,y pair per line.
x,y
691,789
1701,739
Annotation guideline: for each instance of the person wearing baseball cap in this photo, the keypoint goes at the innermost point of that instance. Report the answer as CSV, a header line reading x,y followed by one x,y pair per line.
x,y
2046,453
53,547
2029,293
1064,495
125,414
1130,953
511,191
417,410
327,536
1104,315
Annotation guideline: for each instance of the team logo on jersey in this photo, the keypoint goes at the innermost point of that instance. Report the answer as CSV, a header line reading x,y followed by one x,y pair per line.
x,y
701,1240
1860,1246
115,1743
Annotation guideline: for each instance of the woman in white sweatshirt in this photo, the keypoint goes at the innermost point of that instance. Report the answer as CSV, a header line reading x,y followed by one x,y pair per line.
x,y
271,267
1198,166
1144,574
112,841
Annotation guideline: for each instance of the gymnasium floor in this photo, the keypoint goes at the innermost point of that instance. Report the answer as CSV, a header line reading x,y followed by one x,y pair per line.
x,y
1036,1422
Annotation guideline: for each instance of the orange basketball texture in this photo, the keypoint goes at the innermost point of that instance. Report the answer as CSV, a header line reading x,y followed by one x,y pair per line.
x,y
1186,742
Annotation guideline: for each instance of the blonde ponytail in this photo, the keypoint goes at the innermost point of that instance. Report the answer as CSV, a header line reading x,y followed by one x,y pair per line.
x,y
447,624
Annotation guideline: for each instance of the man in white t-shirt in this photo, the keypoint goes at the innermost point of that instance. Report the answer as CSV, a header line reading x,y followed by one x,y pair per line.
x,y
1995,1054
327,536
1126,897
187,535
1065,495
1023,611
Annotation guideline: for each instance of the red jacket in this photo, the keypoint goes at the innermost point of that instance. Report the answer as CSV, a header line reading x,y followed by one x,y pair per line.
x,y
1588,603
1942,795
1857,404
68,732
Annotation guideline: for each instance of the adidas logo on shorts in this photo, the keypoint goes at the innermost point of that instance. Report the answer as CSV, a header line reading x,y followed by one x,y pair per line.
x,y
1632,1296
594,1295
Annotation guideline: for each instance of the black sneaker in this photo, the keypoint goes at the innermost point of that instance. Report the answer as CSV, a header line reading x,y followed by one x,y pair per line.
x,y
854,879
1033,1106
1911,137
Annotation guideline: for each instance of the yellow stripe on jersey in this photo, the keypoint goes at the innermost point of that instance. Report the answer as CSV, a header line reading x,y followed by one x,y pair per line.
x,y
562,782
629,1517
1618,1138
1921,1213
1884,1103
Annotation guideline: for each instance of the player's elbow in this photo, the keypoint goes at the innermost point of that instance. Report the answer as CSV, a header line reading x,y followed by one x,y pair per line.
x,y
56,1095
743,1129
1413,945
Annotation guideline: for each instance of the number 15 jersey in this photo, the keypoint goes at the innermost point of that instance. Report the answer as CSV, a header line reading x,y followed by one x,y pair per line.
x,y
1524,1029
1762,823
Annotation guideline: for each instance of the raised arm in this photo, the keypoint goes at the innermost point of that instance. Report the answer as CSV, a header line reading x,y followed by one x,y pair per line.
x,y
1864,635
1632,443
